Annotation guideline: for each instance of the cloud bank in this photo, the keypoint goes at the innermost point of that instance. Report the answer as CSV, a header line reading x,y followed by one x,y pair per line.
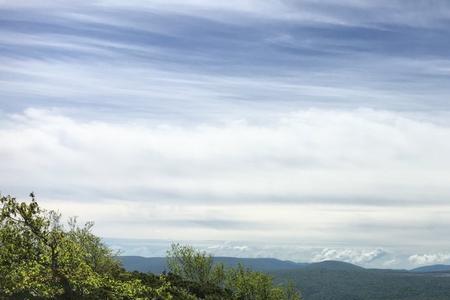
x,y
349,255
321,176
361,156
430,259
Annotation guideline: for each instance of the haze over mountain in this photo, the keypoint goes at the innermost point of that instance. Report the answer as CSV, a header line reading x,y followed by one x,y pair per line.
x,y
432,268
158,265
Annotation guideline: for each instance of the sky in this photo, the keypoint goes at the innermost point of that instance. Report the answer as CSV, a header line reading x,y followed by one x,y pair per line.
x,y
303,130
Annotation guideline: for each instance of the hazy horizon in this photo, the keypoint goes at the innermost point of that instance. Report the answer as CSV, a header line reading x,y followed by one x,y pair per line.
x,y
386,257
302,130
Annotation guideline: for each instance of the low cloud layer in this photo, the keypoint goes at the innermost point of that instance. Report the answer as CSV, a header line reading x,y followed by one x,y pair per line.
x,y
354,256
430,258
391,258
362,157
356,177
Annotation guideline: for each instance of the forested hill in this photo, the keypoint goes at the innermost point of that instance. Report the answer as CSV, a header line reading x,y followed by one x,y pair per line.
x,y
319,282
335,280
433,268
157,265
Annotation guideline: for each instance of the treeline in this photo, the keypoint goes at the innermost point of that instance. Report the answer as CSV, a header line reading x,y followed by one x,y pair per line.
x,y
41,258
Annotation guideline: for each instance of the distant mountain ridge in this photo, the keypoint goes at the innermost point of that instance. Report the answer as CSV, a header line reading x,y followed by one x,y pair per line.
x,y
333,265
158,264
432,268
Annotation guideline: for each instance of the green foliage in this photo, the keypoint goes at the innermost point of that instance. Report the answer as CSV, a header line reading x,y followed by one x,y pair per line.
x,y
194,265
40,258
239,283
161,287
291,292
248,285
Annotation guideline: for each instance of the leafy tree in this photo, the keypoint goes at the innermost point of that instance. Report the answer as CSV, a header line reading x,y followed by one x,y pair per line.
x,y
169,286
291,292
194,265
249,285
41,259
238,283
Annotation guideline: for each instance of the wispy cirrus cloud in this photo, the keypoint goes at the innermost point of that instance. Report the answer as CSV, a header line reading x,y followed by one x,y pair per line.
x,y
172,58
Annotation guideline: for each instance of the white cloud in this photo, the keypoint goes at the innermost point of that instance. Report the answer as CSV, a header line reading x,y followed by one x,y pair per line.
x,y
314,176
390,263
310,154
429,259
356,256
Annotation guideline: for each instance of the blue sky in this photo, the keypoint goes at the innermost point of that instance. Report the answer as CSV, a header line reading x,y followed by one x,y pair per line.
x,y
318,125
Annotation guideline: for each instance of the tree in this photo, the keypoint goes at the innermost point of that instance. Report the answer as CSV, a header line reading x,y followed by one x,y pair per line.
x,y
246,284
194,265
239,283
40,258
290,292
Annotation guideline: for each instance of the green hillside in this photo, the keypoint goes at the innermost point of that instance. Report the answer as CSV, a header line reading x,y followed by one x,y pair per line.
x,y
318,283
